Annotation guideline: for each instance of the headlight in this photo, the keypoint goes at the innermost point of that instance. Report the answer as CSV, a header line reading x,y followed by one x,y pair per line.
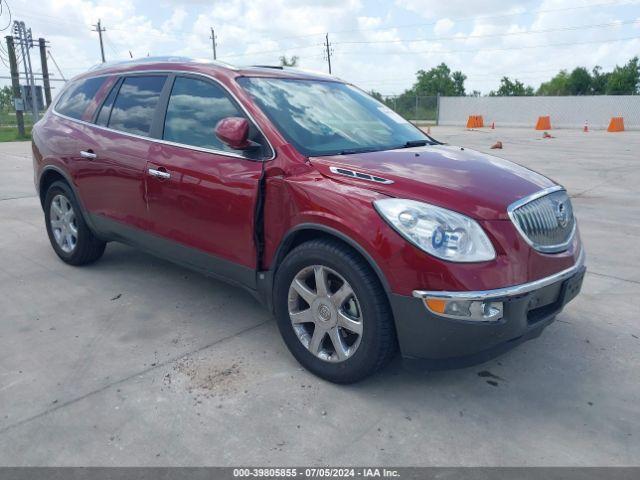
x,y
440,232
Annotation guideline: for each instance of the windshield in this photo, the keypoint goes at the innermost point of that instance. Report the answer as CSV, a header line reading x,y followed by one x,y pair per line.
x,y
329,118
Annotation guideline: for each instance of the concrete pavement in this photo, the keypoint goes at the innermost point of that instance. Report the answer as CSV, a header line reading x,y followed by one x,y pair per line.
x,y
135,361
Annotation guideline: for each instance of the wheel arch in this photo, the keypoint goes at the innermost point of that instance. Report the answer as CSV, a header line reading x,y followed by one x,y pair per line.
x,y
311,231
51,174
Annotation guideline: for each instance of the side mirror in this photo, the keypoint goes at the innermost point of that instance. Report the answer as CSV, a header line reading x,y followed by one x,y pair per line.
x,y
234,132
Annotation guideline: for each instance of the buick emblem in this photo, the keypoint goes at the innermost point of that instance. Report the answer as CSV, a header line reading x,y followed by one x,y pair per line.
x,y
324,313
562,215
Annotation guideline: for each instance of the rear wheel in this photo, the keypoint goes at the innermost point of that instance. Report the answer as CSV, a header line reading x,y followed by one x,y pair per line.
x,y
68,233
333,313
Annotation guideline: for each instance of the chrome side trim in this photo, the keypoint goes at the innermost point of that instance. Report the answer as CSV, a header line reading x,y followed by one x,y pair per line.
x,y
166,142
346,172
530,198
508,291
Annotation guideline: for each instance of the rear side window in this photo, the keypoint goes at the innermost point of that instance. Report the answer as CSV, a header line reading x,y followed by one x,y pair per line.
x,y
105,111
135,104
195,108
78,97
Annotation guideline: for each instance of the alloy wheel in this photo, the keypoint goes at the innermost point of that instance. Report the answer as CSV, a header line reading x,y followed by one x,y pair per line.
x,y
62,218
325,313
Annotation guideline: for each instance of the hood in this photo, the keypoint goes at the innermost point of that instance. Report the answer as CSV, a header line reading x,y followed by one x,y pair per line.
x,y
478,185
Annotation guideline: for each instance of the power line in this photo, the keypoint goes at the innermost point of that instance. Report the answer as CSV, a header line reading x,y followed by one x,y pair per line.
x,y
3,5
111,45
483,17
279,50
388,27
56,64
553,45
435,39
491,35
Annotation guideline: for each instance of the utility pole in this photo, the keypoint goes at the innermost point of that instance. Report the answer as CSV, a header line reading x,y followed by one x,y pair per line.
x,y
100,29
15,84
213,43
45,70
34,98
25,41
328,48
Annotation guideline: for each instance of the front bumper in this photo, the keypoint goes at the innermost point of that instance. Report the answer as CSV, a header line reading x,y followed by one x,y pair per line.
x,y
441,342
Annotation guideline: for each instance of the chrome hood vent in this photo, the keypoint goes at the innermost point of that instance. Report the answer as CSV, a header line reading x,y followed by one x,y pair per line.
x,y
359,175
545,219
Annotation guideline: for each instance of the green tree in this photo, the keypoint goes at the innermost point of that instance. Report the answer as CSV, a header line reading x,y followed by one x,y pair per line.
x,y
439,81
599,80
558,85
513,88
458,83
624,80
376,95
579,82
415,103
6,98
289,62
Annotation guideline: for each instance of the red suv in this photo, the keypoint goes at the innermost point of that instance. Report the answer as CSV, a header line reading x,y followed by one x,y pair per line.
x,y
357,230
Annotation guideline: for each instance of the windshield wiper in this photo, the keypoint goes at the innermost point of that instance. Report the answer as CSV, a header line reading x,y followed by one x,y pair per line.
x,y
409,144
351,151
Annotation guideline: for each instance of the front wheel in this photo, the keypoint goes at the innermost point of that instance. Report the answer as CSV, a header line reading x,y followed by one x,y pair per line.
x,y
70,237
333,313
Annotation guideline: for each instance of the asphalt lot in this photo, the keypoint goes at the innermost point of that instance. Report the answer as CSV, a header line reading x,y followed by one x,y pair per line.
x,y
135,361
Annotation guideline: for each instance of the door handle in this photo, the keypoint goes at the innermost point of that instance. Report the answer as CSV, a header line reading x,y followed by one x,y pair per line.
x,y
88,154
159,174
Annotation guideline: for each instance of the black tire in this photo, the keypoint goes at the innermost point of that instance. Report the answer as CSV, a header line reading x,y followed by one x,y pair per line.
x,y
88,247
378,342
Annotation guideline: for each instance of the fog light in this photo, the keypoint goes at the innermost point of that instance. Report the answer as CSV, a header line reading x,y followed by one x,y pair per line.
x,y
475,310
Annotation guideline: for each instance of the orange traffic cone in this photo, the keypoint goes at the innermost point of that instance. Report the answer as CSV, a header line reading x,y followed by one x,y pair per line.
x,y
497,145
586,127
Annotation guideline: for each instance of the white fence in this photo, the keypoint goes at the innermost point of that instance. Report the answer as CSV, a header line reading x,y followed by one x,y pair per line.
x,y
565,112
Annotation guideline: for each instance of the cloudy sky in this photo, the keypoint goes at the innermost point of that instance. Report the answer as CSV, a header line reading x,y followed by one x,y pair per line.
x,y
376,44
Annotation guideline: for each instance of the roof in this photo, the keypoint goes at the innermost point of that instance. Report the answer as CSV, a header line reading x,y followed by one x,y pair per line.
x,y
200,65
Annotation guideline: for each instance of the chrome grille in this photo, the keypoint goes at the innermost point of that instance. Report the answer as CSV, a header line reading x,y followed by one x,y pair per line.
x,y
545,220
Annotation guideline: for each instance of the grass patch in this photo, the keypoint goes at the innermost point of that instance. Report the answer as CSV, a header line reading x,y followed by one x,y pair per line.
x,y
10,134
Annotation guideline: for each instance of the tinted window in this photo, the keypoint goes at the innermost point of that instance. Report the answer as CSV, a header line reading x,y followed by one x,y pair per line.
x,y
105,111
135,104
78,97
195,108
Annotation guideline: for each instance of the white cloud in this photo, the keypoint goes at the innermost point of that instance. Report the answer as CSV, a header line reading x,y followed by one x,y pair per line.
x,y
484,39
442,26
461,8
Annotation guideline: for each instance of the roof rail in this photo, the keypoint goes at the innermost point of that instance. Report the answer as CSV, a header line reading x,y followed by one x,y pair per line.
x,y
275,67
165,59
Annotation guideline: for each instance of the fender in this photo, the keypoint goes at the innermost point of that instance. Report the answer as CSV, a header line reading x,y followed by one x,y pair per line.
x,y
265,279
288,237
69,180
